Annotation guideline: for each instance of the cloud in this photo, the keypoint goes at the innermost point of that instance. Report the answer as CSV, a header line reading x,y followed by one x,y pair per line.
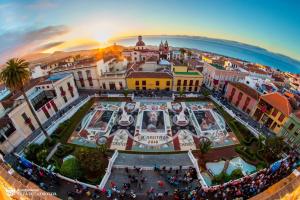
x,y
48,46
44,4
14,44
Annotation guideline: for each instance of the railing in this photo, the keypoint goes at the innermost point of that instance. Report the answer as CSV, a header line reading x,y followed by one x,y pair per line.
x,y
54,125
195,163
230,112
108,170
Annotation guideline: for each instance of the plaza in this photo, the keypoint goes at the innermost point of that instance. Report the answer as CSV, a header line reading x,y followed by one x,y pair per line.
x,y
152,126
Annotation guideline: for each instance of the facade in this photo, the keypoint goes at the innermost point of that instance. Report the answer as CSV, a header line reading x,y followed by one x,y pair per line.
x,y
47,95
186,80
104,74
140,53
273,111
216,78
140,80
291,131
242,96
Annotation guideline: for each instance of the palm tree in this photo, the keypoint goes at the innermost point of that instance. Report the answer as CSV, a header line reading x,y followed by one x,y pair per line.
x,y
204,145
16,75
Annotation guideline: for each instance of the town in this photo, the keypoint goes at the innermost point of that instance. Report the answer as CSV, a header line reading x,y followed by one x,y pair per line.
x,y
145,121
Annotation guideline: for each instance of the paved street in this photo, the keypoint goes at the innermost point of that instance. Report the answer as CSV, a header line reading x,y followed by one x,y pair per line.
x,y
245,117
144,160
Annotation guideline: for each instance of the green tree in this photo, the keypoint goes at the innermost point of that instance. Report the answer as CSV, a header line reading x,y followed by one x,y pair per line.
x,y
102,148
92,161
204,145
31,152
181,92
16,75
274,146
125,93
71,168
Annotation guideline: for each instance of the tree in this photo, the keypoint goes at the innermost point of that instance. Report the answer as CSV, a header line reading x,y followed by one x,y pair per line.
x,y
181,92
274,146
204,145
71,168
15,76
92,161
125,93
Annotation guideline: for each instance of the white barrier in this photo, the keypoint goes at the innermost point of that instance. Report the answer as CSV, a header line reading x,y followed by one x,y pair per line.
x,y
108,170
195,163
61,176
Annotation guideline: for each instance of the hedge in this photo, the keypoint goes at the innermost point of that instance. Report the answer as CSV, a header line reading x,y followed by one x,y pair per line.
x,y
67,128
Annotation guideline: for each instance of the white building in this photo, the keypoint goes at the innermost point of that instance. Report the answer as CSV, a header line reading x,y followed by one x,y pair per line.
x,y
47,96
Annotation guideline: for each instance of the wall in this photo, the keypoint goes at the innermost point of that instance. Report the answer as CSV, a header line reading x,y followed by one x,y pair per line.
x,y
251,105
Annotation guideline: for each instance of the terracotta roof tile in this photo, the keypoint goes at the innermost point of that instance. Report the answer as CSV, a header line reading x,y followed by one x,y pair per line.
x,y
278,101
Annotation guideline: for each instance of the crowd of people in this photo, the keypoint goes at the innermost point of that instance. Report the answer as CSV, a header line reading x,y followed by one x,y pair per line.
x,y
245,187
185,182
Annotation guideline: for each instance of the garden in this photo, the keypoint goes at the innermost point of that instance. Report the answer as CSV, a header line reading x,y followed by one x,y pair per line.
x,y
81,163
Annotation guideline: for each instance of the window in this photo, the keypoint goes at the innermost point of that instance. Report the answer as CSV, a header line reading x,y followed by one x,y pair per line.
x,y
143,82
103,86
157,83
178,89
274,113
178,82
121,85
168,83
184,82
144,88
291,126
190,89
197,83
191,82
137,83
281,117
137,88
196,89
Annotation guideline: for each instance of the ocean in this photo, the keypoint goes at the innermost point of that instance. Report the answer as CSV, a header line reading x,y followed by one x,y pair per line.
x,y
223,47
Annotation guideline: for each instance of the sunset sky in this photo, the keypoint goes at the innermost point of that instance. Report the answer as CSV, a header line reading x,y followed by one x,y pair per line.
x,y
47,26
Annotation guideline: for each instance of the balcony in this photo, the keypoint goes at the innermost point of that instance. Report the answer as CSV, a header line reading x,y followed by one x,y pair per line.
x,y
44,97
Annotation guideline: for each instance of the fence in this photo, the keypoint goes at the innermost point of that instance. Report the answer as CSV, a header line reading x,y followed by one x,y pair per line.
x,y
195,163
108,170
230,112
61,176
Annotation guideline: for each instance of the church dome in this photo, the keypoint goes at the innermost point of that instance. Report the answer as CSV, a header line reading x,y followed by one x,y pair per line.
x,y
140,42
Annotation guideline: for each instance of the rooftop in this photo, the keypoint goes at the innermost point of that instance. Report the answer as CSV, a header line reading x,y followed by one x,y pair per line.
x,y
278,101
246,89
149,75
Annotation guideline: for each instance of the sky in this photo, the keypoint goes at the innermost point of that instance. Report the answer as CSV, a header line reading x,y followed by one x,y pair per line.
x,y
46,26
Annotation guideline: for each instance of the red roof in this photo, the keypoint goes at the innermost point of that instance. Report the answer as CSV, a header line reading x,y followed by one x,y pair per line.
x,y
278,101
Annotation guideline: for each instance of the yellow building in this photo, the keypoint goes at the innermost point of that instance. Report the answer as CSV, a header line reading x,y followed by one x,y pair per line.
x,y
139,80
207,58
186,80
273,111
